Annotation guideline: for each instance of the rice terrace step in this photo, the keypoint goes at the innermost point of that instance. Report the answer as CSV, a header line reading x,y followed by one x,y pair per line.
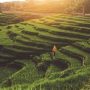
x,y
45,45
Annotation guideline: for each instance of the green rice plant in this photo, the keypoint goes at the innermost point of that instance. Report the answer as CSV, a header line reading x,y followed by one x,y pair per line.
x,y
26,75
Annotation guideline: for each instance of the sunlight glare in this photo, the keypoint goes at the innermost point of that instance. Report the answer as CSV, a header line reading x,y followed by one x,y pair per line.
x,y
10,0
40,1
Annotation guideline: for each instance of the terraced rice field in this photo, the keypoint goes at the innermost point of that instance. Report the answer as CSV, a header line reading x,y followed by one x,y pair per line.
x,y
28,45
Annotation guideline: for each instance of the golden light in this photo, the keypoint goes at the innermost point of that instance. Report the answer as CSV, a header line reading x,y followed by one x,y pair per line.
x,y
43,1
40,1
10,0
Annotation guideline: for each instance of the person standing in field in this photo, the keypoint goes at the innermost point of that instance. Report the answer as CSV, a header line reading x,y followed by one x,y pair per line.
x,y
54,50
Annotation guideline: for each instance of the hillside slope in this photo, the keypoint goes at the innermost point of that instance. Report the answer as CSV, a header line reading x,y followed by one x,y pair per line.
x,y
25,53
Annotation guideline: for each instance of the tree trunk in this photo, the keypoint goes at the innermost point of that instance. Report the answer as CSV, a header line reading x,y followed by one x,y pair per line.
x,y
0,8
84,7
84,10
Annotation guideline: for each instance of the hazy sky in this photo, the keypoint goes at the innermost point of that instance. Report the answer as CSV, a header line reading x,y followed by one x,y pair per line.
x,y
10,0
28,0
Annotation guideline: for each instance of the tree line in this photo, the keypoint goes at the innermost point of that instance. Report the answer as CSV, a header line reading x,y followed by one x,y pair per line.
x,y
79,6
67,6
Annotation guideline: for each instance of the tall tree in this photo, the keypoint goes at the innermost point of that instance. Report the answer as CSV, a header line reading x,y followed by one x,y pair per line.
x,y
0,8
84,5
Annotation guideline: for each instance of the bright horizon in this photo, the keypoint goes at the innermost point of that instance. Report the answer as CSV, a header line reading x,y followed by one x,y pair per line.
x,y
40,1
9,0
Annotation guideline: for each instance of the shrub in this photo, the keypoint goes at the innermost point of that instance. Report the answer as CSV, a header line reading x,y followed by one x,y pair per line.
x,y
9,27
12,35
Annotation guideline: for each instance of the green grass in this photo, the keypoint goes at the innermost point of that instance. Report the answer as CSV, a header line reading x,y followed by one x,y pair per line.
x,y
68,83
8,68
30,43
28,74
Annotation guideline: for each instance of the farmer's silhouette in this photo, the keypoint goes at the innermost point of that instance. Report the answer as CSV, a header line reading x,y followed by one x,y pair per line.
x,y
53,52
54,49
